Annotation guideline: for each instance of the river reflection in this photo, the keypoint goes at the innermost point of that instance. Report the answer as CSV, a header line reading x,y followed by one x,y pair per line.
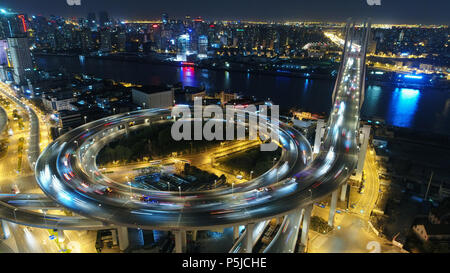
x,y
403,107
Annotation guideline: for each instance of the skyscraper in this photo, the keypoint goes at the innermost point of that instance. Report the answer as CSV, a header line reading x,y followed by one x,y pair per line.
x,y
92,20
4,62
103,18
202,46
105,40
12,25
21,59
165,18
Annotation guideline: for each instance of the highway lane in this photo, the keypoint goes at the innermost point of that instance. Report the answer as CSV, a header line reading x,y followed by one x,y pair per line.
x,y
34,219
34,137
286,238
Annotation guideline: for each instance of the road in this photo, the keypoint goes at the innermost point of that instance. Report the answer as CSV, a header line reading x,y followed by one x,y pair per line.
x,y
364,202
35,240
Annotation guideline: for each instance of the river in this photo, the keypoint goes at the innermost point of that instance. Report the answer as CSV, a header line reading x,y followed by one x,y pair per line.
x,y
418,109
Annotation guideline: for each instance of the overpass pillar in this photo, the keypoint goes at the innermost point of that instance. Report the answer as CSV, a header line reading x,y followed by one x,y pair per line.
x,y
180,241
364,136
333,204
344,191
127,128
236,232
61,235
249,238
136,237
305,227
194,235
124,242
320,130
5,230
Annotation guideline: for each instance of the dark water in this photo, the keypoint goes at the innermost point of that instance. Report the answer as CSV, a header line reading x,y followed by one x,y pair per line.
x,y
420,109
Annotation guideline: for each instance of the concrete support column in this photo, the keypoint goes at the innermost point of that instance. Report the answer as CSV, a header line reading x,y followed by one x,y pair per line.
x,y
333,204
61,235
194,235
305,225
249,238
320,130
124,242
344,192
5,230
180,241
236,232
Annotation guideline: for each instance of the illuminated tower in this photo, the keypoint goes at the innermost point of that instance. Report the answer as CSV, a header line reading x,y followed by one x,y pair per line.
x,y
21,59
184,46
202,46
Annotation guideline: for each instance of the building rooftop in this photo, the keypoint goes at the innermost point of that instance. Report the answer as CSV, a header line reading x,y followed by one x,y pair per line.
x,y
152,89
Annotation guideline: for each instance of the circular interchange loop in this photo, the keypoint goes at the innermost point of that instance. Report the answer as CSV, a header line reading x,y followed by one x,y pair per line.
x,y
63,174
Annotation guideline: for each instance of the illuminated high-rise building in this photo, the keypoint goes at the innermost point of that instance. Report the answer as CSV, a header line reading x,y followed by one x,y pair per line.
x,y
21,59
4,62
92,20
105,40
103,18
3,52
202,46
12,25
165,18
184,47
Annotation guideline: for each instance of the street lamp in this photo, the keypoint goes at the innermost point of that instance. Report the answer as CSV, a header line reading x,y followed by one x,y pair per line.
x,y
85,119
310,191
232,188
143,104
179,190
168,186
215,184
251,175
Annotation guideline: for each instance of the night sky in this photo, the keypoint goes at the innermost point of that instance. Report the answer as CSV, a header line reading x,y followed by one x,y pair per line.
x,y
390,11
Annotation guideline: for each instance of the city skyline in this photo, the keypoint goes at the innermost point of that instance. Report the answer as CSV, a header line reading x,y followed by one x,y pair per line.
x,y
400,12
